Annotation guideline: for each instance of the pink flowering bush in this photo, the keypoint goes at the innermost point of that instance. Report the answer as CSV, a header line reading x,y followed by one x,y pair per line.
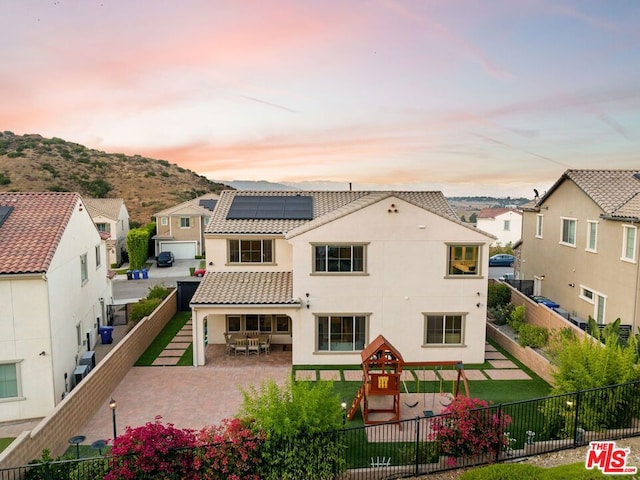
x,y
228,451
153,451
468,429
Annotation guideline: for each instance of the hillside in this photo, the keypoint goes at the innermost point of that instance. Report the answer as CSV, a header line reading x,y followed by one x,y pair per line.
x,y
32,163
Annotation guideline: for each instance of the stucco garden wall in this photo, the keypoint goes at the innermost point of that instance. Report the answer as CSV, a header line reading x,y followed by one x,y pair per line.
x,y
83,402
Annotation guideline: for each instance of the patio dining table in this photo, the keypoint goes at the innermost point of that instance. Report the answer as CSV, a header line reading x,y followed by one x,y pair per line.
x,y
240,342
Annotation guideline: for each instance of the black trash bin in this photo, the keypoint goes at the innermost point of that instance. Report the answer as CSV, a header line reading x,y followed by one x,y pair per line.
x,y
129,274
106,334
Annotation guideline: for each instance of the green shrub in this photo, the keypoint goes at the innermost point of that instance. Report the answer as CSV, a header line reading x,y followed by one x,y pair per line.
x,y
498,294
158,291
15,154
532,336
138,247
164,163
143,308
517,317
300,423
4,179
502,313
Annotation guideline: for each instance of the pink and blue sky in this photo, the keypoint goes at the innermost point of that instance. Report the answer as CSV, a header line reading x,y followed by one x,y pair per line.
x,y
469,97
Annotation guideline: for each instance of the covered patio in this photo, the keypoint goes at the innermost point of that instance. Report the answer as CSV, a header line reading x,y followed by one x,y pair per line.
x,y
228,306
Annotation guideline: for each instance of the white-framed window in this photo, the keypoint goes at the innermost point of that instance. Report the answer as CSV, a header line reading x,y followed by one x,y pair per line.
x,y
506,225
539,225
336,258
164,221
185,222
443,329
341,333
10,379
250,251
98,259
598,300
104,227
592,236
568,231
629,236
262,323
463,260
84,273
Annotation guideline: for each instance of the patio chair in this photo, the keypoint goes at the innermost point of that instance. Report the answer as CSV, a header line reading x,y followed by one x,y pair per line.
x,y
253,346
230,344
241,346
265,343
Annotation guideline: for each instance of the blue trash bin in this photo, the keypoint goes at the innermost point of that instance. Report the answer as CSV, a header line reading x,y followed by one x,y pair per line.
x,y
136,274
106,334
145,273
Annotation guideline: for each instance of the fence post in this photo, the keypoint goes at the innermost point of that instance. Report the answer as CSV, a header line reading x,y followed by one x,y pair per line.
x,y
575,424
417,456
499,445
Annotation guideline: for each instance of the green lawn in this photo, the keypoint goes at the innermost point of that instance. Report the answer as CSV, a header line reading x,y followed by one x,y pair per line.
x,y
4,443
163,339
504,471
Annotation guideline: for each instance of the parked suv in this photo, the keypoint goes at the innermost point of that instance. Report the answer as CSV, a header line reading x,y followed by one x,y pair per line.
x,y
165,259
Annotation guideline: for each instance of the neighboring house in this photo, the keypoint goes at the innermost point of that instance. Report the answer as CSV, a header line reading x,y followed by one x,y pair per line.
x,y
180,229
53,282
327,272
503,223
580,245
111,216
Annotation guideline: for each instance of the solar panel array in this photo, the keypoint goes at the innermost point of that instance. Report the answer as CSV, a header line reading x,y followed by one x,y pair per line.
x,y
4,214
298,207
208,203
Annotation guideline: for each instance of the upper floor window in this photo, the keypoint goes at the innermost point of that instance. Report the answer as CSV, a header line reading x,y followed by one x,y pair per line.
x,y
164,221
84,273
339,258
341,333
463,260
629,243
185,222
250,251
568,232
592,236
9,380
443,329
98,259
104,227
506,226
539,225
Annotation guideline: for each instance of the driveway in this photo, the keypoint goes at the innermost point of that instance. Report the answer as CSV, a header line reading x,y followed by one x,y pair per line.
x,y
129,291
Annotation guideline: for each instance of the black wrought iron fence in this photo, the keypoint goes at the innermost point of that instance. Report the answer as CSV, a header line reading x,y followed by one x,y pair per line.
x,y
410,447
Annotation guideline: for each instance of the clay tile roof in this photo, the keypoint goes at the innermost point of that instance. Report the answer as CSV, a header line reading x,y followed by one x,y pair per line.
x,y
494,212
191,207
327,206
616,192
32,231
104,207
246,288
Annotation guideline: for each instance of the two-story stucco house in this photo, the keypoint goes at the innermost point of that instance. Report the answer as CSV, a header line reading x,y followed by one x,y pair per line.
x,y
53,276
180,229
580,245
327,272
111,216
503,223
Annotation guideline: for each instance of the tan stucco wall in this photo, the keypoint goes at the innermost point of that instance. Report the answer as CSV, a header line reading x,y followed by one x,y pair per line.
x,y
602,272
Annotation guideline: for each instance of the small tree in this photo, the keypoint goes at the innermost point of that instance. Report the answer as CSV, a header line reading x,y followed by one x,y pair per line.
x,y
302,417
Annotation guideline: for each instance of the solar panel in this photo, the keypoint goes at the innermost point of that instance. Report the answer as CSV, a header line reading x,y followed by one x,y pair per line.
x,y
208,203
4,214
298,207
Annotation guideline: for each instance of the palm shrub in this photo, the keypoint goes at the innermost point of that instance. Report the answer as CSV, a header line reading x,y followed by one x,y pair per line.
x,y
300,424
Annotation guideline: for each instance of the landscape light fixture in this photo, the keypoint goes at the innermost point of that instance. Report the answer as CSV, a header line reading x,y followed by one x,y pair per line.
x,y
113,405
343,405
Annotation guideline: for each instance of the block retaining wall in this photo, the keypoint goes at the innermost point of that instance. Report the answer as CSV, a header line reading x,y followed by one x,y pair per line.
x,y
82,403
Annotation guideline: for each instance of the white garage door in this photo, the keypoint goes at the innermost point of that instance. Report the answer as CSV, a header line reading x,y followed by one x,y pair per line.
x,y
180,250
